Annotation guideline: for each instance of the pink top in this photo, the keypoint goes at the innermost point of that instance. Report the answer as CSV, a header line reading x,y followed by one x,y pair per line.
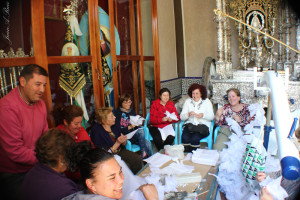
x,y
20,127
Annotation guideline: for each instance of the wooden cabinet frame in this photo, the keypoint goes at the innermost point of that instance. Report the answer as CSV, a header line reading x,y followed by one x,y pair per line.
x,y
40,53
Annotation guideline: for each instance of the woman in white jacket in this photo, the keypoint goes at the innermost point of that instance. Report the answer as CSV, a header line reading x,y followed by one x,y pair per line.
x,y
197,113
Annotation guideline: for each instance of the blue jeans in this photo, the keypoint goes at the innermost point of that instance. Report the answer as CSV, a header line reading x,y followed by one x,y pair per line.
x,y
139,139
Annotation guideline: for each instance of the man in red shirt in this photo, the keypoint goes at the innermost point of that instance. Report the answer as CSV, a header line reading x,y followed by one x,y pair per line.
x,y
23,119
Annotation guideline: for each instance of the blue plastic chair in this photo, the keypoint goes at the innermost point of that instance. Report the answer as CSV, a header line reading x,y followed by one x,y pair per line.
x,y
207,139
134,147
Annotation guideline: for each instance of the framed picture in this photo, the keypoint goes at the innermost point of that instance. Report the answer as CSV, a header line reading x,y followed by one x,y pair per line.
x,y
53,9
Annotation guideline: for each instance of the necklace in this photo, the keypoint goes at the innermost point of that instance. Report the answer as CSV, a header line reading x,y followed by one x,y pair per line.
x,y
112,134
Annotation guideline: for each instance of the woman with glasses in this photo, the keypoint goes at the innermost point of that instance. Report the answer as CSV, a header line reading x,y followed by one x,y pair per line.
x,y
106,134
123,114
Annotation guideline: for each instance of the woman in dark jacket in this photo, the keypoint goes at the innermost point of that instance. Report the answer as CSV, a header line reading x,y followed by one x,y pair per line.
x,y
106,134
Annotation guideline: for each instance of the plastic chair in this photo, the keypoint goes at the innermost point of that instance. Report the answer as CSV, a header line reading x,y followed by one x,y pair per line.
x,y
147,133
207,139
134,147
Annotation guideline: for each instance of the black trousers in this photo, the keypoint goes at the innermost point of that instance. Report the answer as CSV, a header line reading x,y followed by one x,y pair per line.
x,y
159,143
132,159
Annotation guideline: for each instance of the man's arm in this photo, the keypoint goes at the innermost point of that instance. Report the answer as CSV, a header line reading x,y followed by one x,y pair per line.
x,y
11,138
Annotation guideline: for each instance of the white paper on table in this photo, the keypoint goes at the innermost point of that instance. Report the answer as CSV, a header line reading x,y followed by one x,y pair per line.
x,y
136,120
131,134
176,168
205,157
158,159
171,115
165,131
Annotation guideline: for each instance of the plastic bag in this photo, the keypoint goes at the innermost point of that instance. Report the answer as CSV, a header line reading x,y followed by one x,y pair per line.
x,y
254,160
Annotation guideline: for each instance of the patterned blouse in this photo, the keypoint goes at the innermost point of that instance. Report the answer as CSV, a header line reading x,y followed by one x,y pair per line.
x,y
244,114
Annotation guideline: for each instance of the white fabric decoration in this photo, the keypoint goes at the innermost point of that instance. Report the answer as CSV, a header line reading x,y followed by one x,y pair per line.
x,y
136,120
157,160
171,115
166,131
205,157
74,25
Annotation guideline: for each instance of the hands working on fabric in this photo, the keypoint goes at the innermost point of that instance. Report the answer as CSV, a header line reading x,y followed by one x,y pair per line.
x,y
122,139
193,114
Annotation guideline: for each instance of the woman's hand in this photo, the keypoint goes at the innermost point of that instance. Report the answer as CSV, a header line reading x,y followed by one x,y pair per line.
x,y
260,176
149,191
219,113
192,113
166,119
264,194
122,139
131,126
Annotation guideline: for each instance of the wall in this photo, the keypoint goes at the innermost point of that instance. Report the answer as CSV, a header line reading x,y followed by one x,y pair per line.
x,y
199,34
167,39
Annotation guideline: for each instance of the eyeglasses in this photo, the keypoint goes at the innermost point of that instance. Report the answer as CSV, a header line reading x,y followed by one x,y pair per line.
x,y
127,102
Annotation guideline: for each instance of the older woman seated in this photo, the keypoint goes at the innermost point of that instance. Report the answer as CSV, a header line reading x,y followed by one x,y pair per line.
x,y
235,110
105,134
197,113
46,180
103,178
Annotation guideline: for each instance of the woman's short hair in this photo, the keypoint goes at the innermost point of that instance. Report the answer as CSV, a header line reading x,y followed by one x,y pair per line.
x,y
201,88
91,161
52,145
162,90
236,91
68,113
101,114
124,97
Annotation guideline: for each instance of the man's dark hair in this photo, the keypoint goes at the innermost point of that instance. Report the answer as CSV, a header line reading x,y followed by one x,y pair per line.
x,y
29,70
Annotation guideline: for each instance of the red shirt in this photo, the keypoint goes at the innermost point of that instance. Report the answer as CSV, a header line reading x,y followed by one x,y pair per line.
x,y
82,135
157,113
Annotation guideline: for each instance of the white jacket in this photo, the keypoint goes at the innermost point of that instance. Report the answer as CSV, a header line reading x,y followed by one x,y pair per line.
x,y
202,106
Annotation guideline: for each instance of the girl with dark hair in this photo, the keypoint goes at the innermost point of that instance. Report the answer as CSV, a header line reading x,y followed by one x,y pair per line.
x,y
103,178
235,110
46,180
159,119
123,114
197,112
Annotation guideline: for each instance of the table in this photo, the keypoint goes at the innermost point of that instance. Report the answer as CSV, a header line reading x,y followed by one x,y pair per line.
x,y
206,189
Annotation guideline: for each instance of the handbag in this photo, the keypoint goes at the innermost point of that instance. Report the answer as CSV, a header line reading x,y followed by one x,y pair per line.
x,y
200,128
254,160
